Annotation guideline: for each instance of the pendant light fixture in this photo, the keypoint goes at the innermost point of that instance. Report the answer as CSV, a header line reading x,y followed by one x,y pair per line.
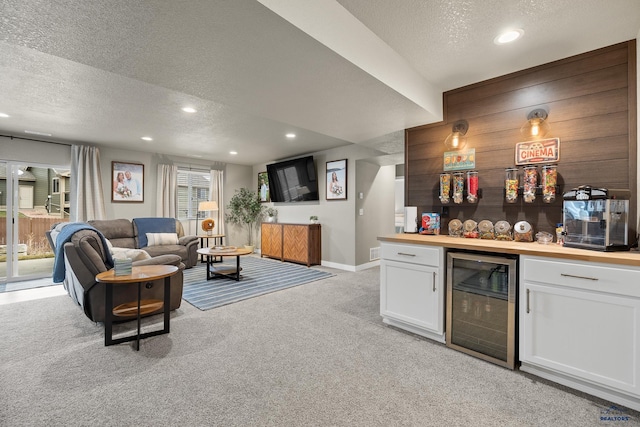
x,y
456,139
537,125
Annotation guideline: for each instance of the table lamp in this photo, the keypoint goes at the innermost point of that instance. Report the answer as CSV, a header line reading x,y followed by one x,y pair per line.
x,y
208,223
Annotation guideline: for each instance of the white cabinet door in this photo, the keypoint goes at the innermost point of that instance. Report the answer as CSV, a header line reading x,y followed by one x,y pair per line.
x,y
593,336
411,293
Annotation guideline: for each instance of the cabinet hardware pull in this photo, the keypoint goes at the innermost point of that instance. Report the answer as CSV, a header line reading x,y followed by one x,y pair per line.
x,y
580,277
405,254
434,281
528,291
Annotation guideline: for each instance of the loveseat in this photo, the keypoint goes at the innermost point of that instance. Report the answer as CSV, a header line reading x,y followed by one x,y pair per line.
x,y
86,254
123,233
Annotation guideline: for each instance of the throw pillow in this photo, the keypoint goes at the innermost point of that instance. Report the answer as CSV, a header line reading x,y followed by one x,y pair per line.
x,y
158,239
133,254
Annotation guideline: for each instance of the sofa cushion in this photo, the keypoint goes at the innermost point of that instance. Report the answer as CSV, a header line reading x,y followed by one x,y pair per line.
x,y
119,231
160,239
155,251
152,225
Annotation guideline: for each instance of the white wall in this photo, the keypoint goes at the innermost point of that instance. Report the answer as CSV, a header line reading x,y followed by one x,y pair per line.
x,y
337,217
377,186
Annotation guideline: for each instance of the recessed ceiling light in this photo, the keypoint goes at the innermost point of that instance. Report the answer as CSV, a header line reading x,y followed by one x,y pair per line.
x,y
4,115
147,138
509,36
290,135
37,133
189,110
233,153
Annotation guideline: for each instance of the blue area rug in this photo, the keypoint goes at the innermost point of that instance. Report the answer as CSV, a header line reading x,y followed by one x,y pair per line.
x,y
259,276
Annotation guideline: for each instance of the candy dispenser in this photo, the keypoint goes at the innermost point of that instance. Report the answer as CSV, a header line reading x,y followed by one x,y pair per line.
x,y
458,187
549,181
455,228
485,229
472,186
511,185
530,183
503,230
445,187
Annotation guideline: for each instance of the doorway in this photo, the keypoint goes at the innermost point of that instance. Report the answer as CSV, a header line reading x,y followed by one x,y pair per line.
x,y
26,196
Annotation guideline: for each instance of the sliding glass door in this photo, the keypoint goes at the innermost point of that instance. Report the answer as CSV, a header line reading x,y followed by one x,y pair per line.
x,y
32,199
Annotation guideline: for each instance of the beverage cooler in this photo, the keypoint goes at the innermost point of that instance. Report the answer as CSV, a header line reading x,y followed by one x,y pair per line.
x,y
481,305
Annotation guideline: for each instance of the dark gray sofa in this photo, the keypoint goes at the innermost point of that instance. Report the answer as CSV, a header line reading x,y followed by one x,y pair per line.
x,y
123,233
86,256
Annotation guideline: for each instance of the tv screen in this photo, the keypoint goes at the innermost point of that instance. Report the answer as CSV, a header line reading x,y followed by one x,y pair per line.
x,y
293,180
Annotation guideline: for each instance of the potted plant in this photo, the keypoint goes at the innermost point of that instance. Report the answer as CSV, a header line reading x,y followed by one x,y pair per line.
x,y
244,209
313,219
271,213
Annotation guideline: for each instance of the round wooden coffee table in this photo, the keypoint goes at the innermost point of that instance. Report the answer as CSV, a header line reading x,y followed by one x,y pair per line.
x,y
139,275
214,272
218,240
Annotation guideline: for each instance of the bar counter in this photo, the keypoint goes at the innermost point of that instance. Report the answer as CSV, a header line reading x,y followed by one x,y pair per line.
x,y
553,250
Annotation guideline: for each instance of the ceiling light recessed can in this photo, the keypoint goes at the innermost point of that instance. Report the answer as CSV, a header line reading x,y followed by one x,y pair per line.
x,y
509,36
4,115
233,153
290,135
147,138
189,110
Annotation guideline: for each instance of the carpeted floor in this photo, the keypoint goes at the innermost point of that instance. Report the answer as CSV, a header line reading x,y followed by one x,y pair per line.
x,y
312,355
259,276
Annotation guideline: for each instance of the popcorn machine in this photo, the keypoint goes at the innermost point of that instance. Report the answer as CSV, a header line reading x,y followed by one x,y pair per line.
x,y
596,219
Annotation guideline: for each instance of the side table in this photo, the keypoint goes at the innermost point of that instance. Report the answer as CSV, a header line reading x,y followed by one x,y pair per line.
x,y
218,239
139,275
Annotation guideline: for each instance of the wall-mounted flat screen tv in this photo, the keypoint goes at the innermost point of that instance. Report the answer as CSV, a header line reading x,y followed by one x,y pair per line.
x,y
293,180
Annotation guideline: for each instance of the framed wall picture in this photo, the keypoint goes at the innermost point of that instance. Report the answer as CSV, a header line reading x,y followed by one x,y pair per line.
x,y
263,187
127,182
337,180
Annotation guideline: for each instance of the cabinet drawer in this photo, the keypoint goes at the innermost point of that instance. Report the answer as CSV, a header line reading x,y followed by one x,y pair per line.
x,y
589,276
415,254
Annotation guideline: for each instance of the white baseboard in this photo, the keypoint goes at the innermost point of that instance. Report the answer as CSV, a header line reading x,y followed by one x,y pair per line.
x,y
350,267
338,266
368,265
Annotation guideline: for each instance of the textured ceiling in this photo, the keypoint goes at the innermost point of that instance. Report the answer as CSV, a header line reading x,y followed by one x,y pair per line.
x,y
335,73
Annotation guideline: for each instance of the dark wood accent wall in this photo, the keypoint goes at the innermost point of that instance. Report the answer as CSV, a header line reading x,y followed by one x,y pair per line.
x,y
591,100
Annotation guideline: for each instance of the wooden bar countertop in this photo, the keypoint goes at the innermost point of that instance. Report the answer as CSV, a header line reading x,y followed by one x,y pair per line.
x,y
552,250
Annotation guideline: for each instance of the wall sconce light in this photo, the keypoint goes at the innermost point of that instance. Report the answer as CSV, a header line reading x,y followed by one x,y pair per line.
x,y
537,125
456,139
208,223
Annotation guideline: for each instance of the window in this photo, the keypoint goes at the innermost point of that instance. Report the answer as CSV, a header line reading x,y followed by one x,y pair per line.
x,y
193,188
55,185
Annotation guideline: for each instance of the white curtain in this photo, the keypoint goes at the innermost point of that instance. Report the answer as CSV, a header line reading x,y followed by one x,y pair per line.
x,y
217,194
87,195
167,200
